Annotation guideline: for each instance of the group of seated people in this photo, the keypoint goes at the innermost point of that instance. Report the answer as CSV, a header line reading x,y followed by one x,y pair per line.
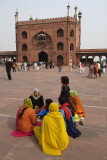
x,y
50,123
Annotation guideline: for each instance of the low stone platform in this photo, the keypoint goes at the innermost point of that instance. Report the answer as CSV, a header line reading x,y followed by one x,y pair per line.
x,y
92,145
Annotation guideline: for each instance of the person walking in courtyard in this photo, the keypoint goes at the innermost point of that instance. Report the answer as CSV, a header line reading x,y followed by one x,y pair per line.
x,y
82,69
14,67
91,71
65,89
19,66
96,70
103,68
70,66
25,66
8,65
52,134
59,66
99,69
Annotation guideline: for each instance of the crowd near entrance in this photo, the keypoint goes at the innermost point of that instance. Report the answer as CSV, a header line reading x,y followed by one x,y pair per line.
x,y
91,59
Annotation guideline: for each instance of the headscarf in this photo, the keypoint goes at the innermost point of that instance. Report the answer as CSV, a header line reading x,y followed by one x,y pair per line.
x,y
28,103
53,107
73,93
53,137
36,90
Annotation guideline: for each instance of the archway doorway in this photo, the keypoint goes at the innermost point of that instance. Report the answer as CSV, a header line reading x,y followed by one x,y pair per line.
x,y
96,59
83,59
43,57
103,59
89,60
60,59
25,59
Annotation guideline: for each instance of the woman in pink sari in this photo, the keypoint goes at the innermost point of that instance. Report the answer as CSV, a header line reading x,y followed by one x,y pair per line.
x,y
25,120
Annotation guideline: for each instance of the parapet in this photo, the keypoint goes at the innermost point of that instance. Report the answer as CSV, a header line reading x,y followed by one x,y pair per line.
x,y
49,20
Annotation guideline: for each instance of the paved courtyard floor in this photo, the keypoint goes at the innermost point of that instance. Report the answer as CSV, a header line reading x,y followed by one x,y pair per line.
x,y
92,145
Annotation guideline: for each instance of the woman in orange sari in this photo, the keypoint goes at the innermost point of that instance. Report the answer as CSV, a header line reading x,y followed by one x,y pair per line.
x,y
95,70
25,120
77,108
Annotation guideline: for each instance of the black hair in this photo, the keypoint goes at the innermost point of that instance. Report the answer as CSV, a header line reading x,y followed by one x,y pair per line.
x,y
61,100
65,80
48,102
21,114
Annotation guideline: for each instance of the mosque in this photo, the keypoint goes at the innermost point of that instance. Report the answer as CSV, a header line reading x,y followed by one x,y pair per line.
x,y
52,40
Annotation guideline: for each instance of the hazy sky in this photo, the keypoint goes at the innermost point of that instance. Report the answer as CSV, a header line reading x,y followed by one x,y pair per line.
x,y
94,19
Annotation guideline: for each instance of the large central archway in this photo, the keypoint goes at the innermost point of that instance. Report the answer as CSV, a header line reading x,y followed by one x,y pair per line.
x,y
43,57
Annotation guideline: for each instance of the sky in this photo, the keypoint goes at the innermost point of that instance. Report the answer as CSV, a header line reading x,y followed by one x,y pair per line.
x,y
93,22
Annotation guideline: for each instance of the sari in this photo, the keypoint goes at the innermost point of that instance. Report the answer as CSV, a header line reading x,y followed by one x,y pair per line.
x,y
96,70
53,137
67,115
25,124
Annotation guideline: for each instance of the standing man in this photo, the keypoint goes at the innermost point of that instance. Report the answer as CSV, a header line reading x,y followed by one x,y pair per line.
x,y
8,68
59,66
70,66
99,69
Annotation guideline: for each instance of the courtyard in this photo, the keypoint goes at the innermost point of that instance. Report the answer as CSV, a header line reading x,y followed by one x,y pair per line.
x,y
91,145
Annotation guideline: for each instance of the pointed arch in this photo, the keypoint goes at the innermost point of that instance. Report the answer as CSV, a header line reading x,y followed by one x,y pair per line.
x,y
24,47
71,46
59,46
60,33
72,33
24,35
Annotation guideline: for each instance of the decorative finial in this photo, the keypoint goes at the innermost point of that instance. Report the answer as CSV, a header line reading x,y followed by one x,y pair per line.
x,y
16,16
80,15
30,19
75,11
17,11
68,9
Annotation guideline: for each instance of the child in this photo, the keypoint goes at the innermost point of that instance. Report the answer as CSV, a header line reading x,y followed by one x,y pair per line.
x,y
77,108
68,118
65,89
45,109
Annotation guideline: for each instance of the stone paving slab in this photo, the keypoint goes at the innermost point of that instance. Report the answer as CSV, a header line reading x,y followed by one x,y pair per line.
x,y
92,145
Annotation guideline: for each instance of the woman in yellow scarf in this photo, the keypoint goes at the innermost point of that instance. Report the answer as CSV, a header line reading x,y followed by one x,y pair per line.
x,y
53,136
25,120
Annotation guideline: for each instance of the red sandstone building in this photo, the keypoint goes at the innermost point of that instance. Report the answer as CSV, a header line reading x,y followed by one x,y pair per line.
x,y
56,40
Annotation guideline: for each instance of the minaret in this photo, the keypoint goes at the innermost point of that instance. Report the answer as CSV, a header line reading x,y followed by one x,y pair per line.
x,y
75,11
67,38
68,10
16,16
80,15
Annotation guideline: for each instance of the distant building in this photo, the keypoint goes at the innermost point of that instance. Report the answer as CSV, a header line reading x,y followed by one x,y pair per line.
x,y
56,40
